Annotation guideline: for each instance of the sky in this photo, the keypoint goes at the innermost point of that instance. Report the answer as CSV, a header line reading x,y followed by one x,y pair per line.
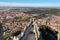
x,y
30,3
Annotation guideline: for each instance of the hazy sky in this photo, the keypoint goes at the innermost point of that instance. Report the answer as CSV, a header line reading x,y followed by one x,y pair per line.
x,y
34,3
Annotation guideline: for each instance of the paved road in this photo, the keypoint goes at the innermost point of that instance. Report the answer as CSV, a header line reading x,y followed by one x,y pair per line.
x,y
31,37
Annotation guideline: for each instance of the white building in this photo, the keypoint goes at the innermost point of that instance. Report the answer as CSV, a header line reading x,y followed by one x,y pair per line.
x,y
15,38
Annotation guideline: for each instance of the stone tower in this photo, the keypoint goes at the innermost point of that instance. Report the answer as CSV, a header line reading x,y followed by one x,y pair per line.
x,y
31,31
1,32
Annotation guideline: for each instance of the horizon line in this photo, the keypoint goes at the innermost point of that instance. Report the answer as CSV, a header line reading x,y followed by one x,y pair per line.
x,y
14,4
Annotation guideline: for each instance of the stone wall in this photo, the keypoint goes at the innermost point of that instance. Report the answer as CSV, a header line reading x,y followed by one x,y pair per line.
x,y
1,32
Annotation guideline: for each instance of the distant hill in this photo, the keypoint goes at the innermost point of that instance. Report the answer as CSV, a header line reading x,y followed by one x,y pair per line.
x,y
33,10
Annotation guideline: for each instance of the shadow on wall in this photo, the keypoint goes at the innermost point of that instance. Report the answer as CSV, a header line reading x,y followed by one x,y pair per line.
x,y
47,33
1,32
